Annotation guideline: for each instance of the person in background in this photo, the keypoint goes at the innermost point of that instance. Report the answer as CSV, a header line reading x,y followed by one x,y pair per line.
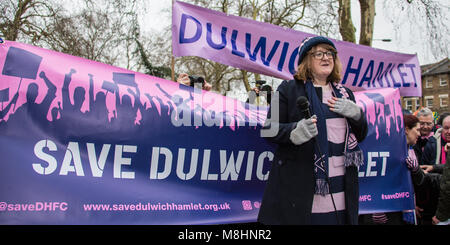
x,y
425,117
439,121
187,80
260,95
442,216
412,131
433,160
314,173
433,153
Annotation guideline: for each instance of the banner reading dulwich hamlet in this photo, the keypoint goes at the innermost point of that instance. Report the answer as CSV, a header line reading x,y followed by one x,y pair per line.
x,y
273,50
87,143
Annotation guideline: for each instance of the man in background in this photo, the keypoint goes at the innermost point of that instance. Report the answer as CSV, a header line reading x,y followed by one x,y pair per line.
x,y
426,122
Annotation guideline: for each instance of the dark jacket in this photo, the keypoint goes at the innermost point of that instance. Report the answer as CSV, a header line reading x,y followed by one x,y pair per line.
x,y
288,196
427,188
432,151
443,207
419,147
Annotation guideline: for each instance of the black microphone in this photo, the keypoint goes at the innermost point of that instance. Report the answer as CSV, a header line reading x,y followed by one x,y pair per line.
x,y
303,106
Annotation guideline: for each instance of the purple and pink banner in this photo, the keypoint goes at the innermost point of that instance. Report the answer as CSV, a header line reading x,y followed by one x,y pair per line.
x,y
82,142
384,180
273,50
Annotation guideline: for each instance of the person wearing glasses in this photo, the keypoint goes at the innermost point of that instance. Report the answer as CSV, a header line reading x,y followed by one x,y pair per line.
x,y
433,153
314,173
426,123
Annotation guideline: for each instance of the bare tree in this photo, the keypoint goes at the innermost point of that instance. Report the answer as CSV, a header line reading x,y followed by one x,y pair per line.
x,y
346,27
367,21
427,19
98,30
428,23
145,62
26,19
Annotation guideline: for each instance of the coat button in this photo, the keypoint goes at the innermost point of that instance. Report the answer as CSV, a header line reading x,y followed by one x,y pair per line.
x,y
293,205
280,162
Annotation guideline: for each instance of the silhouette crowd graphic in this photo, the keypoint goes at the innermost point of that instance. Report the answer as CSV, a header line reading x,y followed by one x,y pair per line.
x,y
67,120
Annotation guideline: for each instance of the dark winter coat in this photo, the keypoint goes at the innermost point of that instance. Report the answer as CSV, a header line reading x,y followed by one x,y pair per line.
x,y
432,151
443,208
288,196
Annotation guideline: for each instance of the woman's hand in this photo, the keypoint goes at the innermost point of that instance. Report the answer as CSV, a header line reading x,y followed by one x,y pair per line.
x,y
345,107
305,130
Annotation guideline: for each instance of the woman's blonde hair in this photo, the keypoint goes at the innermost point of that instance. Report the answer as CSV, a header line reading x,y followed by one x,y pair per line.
x,y
304,70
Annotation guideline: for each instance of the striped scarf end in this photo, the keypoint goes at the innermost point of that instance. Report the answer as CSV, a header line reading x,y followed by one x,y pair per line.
x,y
355,158
322,187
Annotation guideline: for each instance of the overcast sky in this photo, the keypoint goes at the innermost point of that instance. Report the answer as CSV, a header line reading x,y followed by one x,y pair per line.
x,y
405,42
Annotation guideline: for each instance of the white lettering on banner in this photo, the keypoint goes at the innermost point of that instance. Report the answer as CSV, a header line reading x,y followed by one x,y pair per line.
x,y
154,174
229,165
119,160
371,167
97,166
49,159
72,153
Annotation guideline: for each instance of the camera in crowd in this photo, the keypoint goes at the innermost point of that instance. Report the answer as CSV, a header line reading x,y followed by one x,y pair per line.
x,y
259,83
266,90
261,87
196,79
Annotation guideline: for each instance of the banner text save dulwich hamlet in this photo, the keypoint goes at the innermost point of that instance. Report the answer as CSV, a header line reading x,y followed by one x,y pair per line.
x,y
88,143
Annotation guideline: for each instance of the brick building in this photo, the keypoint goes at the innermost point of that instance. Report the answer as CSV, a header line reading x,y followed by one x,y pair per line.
x,y
435,88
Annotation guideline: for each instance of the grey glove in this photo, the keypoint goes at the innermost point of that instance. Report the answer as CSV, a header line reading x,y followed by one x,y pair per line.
x,y
304,131
347,108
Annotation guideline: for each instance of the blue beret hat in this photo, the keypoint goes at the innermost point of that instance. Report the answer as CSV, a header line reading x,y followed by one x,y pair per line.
x,y
310,42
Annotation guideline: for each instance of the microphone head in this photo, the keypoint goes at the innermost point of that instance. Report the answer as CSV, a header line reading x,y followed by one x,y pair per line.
x,y
302,103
